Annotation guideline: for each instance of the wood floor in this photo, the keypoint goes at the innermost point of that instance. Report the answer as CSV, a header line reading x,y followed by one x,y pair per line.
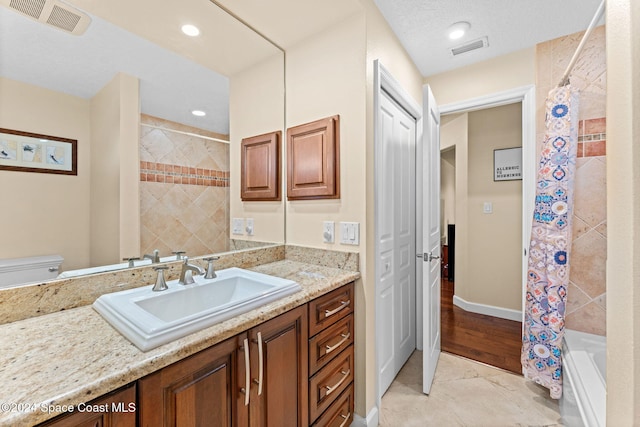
x,y
487,339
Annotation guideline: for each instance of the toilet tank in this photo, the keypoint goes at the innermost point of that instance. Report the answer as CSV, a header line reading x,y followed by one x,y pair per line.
x,y
19,271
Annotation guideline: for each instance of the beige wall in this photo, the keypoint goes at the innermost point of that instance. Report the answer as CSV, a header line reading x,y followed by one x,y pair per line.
x,y
339,63
475,135
494,75
623,209
256,107
494,240
115,216
447,191
44,213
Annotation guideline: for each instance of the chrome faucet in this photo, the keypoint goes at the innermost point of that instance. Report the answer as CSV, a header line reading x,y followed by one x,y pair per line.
x,y
187,279
211,272
155,257
161,284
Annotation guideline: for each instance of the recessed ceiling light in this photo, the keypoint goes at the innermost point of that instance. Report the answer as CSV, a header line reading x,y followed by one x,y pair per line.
x,y
198,113
458,30
190,30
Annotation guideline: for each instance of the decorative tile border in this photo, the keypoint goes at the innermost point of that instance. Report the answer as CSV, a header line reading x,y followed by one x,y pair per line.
x,y
592,137
176,174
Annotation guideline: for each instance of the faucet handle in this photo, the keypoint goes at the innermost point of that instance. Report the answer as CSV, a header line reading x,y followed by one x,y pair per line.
x,y
161,284
211,272
131,261
178,254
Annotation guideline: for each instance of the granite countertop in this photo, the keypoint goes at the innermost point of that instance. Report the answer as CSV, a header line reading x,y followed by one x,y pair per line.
x,y
73,356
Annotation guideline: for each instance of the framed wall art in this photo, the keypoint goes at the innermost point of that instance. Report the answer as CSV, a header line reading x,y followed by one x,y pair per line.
x,y
32,152
507,164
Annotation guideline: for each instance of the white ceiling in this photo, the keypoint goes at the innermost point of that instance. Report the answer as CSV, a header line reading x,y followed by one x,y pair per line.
x,y
173,84
177,73
510,25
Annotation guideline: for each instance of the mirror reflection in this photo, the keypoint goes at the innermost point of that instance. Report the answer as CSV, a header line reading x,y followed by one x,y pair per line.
x,y
158,116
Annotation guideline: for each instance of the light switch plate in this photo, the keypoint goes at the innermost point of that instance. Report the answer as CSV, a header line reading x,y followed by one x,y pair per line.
x,y
487,208
238,226
350,233
328,231
249,227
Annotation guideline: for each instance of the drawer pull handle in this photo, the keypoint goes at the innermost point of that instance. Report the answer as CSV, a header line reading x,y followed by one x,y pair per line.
x,y
247,374
331,389
346,418
343,304
260,364
330,348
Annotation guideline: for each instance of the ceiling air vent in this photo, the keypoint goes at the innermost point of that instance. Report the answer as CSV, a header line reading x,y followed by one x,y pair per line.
x,y
51,12
468,47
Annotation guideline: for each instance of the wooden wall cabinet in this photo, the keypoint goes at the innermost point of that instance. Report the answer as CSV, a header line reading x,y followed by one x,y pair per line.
x,y
260,167
313,160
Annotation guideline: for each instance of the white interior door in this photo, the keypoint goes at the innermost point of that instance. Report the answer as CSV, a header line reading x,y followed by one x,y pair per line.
x,y
395,223
430,239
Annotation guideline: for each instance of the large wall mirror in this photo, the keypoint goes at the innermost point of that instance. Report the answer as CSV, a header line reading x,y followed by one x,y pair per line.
x,y
151,174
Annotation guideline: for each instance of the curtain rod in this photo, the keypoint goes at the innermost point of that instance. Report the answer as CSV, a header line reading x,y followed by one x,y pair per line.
x,y
186,133
565,78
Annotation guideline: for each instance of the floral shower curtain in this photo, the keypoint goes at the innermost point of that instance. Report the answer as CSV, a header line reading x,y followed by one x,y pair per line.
x,y
548,264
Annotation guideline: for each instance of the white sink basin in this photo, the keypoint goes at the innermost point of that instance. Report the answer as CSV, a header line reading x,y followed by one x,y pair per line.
x,y
149,319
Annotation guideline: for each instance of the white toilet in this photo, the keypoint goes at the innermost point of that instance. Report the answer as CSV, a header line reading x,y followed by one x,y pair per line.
x,y
20,271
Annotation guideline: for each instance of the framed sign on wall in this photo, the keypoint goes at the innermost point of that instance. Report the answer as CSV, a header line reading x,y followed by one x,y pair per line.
x,y
507,164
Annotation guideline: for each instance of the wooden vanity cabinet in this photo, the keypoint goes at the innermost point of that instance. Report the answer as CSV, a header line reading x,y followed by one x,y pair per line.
x,y
209,388
282,400
301,366
331,358
197,391
116,409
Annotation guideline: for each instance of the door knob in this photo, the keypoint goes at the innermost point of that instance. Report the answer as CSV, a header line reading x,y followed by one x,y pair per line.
x,y
428,257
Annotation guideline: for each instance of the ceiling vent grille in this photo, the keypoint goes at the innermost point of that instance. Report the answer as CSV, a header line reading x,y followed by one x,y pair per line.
x,y
32,8
468,47
52,12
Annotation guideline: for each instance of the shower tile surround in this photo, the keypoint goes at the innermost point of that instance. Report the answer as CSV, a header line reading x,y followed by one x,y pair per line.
x,y
184,189
586,306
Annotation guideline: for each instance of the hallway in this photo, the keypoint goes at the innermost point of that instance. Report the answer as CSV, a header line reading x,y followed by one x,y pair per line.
x,y
487,339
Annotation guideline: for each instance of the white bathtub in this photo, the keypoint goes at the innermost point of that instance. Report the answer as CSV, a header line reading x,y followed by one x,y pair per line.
x,y
583,401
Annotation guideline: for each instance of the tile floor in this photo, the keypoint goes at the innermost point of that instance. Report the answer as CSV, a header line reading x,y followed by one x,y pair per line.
x,y
465,393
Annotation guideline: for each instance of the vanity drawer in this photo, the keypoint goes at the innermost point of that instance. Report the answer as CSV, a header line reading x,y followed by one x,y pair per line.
x,y
329,382
340,413
330,308
329,343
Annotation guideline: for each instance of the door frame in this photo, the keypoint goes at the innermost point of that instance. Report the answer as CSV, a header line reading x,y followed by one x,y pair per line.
x,y
384,81
527,96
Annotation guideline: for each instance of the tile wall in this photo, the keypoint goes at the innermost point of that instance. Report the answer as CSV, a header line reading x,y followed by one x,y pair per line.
x,y
184,189
587,289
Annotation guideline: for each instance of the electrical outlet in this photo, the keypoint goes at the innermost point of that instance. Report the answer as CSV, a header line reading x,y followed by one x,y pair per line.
x,y
350,233
328,231
238,226
249,227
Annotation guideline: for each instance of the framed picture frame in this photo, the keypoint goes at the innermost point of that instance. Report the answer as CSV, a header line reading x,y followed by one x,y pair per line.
x,y
33,152
507,164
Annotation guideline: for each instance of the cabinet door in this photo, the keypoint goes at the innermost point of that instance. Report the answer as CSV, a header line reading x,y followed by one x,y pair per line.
x,y
279,397
201,390
115,410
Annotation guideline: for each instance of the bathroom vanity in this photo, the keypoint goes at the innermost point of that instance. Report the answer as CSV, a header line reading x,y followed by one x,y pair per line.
x,y
290,361
273,372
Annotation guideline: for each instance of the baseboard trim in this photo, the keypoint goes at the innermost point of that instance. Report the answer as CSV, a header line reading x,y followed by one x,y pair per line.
x,y
489,310
372,419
